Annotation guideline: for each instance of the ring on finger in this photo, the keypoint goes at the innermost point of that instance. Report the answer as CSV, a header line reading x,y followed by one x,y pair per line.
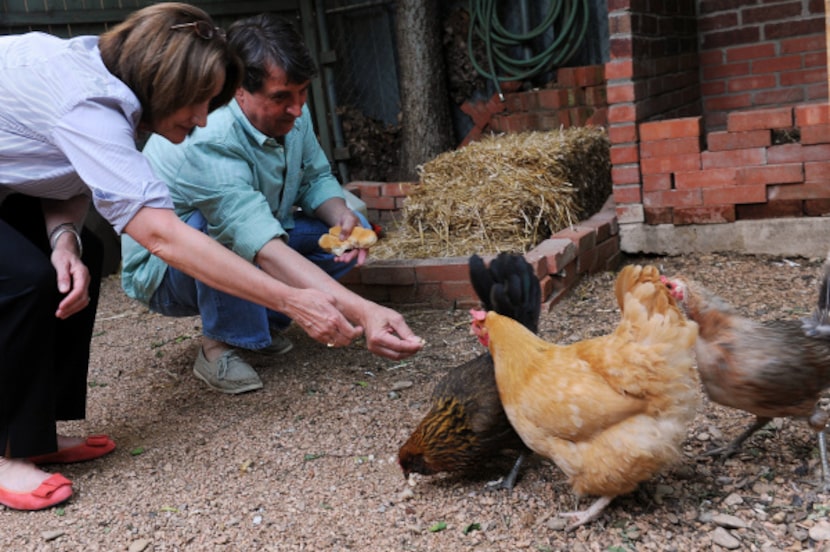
x,y
329,344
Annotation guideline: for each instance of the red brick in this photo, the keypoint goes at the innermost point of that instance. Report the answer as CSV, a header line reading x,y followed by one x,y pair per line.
x,y
622,113
673,198
704,215
619,69
816,171
753,83
627,194
813,114
656,182
547,286
771,174
587,260
673,128
659,215
770,209
624,154
456,293
733,158
800,78
815,134
397,189
817,152
807,190
622,133
604,226
598,118
607,251
670,164
630,213
388,272
557,253
728,103
583,237
720,141
387,203
619,93
754,51
441,269
786,153
552,98
666,148
725,71
777,64
756,119
706,178
365,189
625,174
817,207
735,195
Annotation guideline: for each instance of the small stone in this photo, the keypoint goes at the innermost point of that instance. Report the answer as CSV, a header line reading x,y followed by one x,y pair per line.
x,y
779,517
557,523
139,545
724,538
52,535
401,385
730,522
733,500
820,531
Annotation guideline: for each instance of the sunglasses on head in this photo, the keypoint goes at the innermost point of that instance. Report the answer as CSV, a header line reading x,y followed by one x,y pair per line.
x,y
202,28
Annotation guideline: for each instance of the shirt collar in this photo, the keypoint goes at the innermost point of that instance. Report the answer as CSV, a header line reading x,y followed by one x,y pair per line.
x,y
260,138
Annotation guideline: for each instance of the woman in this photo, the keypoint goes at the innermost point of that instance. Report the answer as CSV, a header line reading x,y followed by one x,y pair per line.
x,y
68,122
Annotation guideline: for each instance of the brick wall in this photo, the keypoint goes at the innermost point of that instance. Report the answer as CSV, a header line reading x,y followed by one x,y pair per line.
x,y
592,245
758,53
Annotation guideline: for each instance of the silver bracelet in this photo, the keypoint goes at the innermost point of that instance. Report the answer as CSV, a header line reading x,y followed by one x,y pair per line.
x,y
61,229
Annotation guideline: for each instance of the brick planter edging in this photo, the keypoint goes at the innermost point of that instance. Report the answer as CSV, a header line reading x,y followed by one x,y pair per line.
x,y
592,245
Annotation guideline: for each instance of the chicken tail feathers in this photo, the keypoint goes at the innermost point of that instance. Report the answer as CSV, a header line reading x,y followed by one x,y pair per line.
x,y
818,325
509,286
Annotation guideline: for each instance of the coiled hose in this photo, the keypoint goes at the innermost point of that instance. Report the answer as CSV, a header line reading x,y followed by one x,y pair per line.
x,y
567,18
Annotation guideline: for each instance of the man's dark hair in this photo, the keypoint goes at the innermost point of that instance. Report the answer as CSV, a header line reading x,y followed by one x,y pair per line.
x,y
266,39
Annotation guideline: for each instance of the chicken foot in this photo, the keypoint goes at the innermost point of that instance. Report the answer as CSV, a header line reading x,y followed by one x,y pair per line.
x,y
509,481
730,449
589,514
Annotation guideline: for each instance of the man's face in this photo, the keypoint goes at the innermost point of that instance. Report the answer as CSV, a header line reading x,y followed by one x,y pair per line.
x,y
275,107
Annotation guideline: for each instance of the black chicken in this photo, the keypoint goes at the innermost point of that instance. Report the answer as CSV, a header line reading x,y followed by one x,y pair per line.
x,y
466,424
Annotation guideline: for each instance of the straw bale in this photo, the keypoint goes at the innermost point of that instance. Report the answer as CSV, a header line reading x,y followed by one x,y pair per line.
x,y
503,193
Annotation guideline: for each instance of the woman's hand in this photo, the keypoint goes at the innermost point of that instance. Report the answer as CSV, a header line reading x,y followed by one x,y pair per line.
x,y
317,314
73,277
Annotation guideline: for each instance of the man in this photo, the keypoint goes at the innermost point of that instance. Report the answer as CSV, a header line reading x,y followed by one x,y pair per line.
x,y
256,180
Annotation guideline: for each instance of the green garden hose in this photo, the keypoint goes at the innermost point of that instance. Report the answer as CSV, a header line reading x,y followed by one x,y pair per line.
x,y
567,18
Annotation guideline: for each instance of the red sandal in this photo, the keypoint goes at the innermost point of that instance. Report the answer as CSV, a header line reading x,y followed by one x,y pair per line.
x,y
94,447
54,490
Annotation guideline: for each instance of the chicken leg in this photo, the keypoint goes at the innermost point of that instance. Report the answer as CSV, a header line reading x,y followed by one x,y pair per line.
x,y
582,517
730,449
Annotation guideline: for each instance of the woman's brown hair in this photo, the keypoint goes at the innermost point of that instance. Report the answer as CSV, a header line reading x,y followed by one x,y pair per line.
x,y
170,55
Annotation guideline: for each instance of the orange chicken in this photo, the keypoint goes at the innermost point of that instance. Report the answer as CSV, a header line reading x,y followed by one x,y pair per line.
x,y
610,411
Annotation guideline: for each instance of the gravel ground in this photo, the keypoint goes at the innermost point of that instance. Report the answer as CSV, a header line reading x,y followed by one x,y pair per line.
x,y
309,462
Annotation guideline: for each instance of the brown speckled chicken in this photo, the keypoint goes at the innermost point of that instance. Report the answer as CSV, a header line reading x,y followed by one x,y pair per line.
x,y
610,411
466,424
769,369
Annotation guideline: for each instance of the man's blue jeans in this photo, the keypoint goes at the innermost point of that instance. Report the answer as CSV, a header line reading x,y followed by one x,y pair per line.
x,y
235,321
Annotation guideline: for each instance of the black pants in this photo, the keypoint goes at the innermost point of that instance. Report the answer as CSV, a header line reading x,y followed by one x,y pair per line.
x,y
43,360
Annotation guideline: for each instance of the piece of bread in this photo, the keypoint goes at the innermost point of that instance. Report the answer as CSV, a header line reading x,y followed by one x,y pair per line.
x,y
360,238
